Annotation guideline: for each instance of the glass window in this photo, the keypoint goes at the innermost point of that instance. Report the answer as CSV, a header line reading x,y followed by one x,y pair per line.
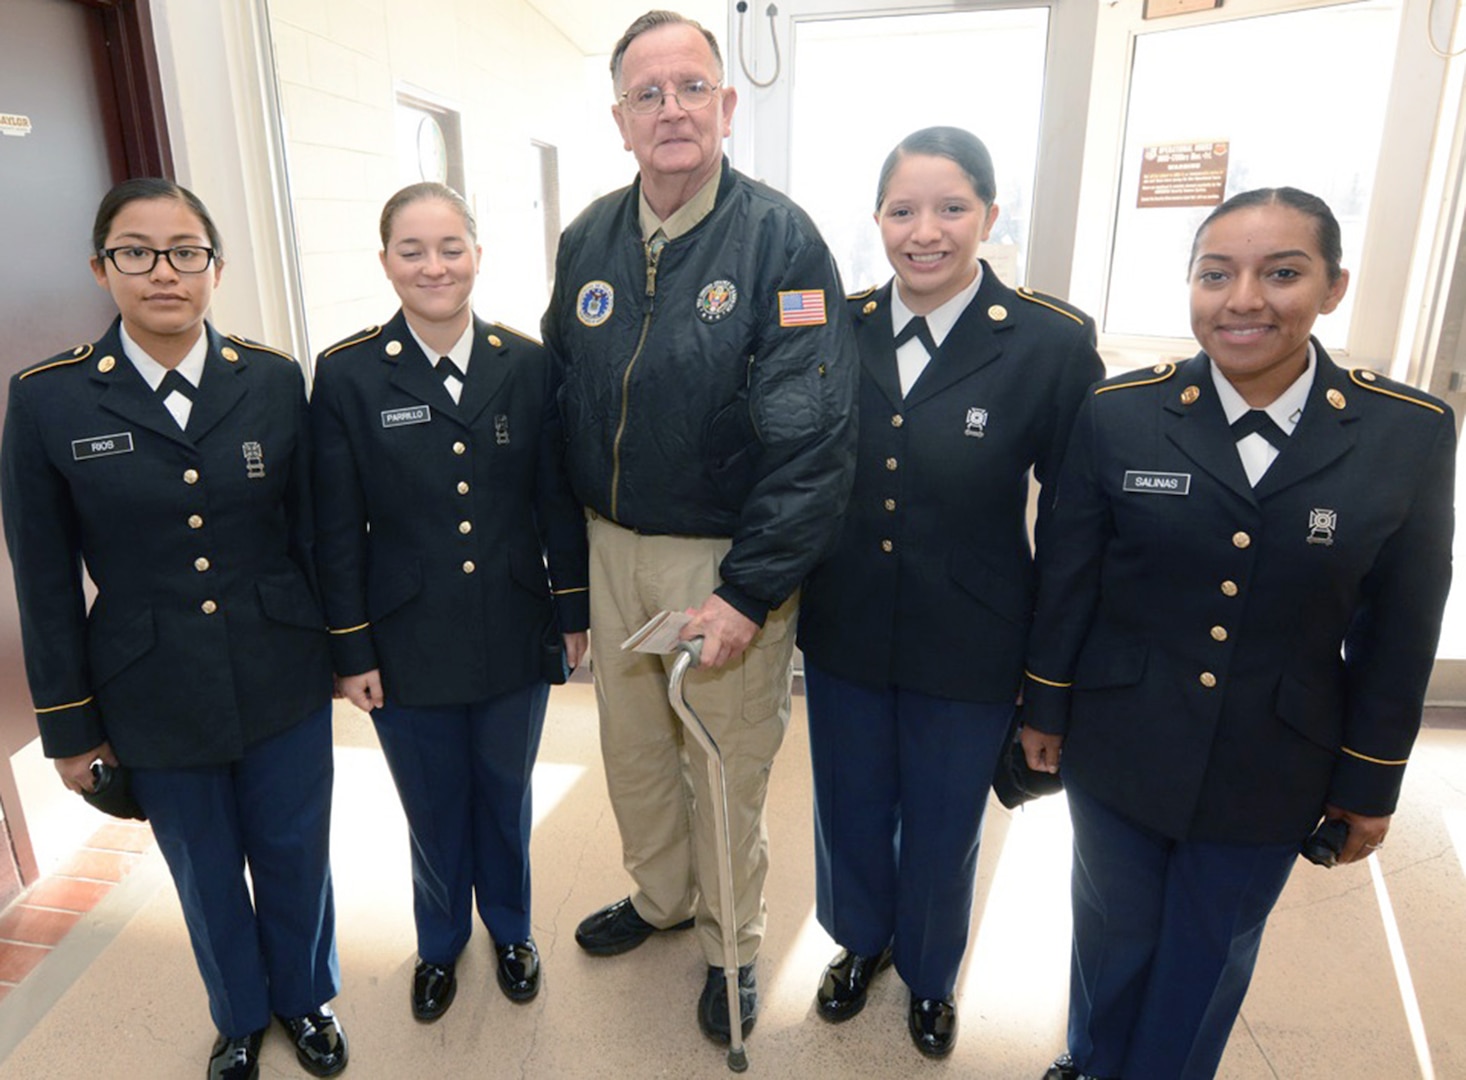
x,y
1313,123
861,85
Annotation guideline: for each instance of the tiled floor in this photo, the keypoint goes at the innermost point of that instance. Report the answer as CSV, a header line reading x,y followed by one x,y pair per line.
x,y
1359,979
40,918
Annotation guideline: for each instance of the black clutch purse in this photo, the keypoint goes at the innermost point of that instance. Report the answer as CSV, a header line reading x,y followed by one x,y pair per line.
x,y
554,667
112,792
1014,782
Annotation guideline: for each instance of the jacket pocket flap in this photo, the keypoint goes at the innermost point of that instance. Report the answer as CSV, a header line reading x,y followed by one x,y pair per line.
x,y
1007,594
112,648
529,571
286,598
389,591
1104,664
1317,715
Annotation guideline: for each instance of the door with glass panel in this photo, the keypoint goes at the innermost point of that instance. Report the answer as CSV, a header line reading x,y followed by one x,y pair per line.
x,y
855,77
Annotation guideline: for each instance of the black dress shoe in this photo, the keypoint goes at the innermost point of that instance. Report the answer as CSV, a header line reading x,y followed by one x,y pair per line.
x,y
236,1059
712,1006
519,970
320,1044
617,928
933,1025
433,988
844,984
1064,1068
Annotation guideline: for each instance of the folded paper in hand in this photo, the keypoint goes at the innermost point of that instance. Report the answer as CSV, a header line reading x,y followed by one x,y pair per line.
x,y
660,634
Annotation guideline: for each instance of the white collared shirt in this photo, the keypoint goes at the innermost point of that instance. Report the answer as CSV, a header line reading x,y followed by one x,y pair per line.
x,y
459,354
911,357
1256,452
191,367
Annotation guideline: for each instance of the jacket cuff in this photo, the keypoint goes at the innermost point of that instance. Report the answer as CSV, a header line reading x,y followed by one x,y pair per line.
x,y
352,651
70,729
746,605
1046,704
1367,786
572,610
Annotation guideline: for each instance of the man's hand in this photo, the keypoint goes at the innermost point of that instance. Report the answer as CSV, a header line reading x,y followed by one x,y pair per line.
x,y
76,772
1365,833
725,631
1041,750
364,690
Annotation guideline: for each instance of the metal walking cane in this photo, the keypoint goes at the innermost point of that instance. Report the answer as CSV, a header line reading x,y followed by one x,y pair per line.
x,y
690,653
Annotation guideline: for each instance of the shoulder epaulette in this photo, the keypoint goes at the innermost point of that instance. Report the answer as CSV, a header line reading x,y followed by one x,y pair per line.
x,y
517,333
1158,374
66,359
356,339
248,344
862,294
1370,380
1053,303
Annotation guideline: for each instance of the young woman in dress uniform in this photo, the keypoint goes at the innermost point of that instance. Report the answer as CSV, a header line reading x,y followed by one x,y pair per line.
x,y
440,496
914,628
172,463
1240,604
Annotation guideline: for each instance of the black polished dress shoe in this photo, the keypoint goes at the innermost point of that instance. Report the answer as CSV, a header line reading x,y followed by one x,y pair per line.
x,y
433,988
712,1006
933,1025
617,928
519,970
320,1044
844,984
236,1059
1064,1068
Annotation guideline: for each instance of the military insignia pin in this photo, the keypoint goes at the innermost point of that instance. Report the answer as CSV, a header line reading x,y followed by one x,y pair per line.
x,y
977,423
717,300
501,430
254,460
595,303
1321,525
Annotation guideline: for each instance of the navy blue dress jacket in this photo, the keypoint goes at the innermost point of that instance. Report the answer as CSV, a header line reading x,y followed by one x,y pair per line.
x,y
447,592
931,585
206,634
1226,659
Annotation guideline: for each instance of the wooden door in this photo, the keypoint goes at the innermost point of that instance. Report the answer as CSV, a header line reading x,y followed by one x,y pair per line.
x,y
79,110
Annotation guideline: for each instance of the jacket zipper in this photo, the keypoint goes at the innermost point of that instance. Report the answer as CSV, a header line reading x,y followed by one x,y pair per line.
x,y
646,323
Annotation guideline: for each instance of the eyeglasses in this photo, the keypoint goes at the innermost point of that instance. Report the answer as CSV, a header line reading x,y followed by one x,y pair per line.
x,y
135,259
690,95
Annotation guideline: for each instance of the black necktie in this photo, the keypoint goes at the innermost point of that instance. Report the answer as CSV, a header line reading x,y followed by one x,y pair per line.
x,y
447,367
1258,422
174,381
918,329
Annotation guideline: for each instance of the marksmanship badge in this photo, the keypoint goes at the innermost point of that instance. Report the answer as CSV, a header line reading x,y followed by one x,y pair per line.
x,y
254,460
1321,526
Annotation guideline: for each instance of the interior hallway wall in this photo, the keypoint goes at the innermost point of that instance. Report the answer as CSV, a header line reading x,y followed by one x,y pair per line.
x,y
512,77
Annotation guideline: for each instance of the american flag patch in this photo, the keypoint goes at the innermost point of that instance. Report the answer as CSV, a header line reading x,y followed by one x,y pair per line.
x,y
803,307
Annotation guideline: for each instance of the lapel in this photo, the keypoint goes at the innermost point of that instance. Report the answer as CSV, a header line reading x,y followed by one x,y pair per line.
x,y
411,371
877,346
1325,431
975,341
488,367
125,393
220,389
1200,430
